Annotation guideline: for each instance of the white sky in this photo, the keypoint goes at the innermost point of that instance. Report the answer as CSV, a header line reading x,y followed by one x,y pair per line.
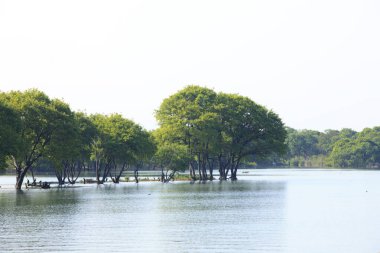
x,y
315,63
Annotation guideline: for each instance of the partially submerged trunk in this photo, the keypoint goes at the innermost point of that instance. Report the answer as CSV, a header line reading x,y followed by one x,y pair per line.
x,y
102,170
61,175
22,167
20,175
234,167
73,171
118,173
168,176
192,171
32,172
136,174
211,163
224,166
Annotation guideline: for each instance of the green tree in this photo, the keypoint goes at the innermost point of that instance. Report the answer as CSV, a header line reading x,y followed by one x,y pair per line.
x,y
303,143
219,128
64,142
246,129
358,150
143,148
305,146
171,158
119,145
326,140
40,119
187,118
68,151
85,132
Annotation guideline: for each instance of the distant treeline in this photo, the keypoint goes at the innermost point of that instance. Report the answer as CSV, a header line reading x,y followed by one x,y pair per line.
x,y
332,148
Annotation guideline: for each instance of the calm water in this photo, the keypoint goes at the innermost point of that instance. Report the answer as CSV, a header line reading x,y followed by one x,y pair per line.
x,y
265,211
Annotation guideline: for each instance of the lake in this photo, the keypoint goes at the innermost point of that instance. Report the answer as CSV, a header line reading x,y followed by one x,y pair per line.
x,y
271,210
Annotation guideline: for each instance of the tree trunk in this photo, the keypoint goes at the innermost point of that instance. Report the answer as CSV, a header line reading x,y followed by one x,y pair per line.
x,y
106,170
61,176
136,174
73,171
116,178
20,177
162,174
32,172
234,168
97,171
211,163
199,167
224,167
192,171
204,167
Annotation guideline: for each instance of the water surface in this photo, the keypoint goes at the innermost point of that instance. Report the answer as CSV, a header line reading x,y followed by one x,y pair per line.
x,y
264,211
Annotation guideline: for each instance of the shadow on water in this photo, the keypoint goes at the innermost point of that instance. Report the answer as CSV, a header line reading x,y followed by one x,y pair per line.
x,y
225,186
42,198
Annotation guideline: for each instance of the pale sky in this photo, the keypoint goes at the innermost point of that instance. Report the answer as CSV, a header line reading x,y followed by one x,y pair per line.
x,y
315,63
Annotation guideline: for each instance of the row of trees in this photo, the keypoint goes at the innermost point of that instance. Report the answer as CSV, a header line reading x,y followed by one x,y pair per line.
x,y
199,129
35,127
346,148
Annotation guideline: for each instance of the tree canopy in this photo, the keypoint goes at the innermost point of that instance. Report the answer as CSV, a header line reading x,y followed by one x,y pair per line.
x,y
219,129
40,119
35,127
9,127
120,143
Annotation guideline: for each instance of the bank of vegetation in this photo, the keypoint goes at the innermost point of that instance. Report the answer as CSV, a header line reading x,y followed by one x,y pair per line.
x,y
332,148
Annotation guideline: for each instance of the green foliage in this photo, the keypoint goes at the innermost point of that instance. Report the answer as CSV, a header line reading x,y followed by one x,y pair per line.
x,y
121,139
219,127
172,156
65,141
303,143
199,129
248,128
359,150
9,128
40,120
326,140
33,126
345,148
120,143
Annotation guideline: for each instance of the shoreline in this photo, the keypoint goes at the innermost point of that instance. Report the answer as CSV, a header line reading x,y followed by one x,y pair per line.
x,y
80,184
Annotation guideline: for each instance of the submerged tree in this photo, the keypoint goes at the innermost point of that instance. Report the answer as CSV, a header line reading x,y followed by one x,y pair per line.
x,y
40,119
246,129
64,145
69,150
143,148
85,132
120,144
169,157
187,118
219,129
